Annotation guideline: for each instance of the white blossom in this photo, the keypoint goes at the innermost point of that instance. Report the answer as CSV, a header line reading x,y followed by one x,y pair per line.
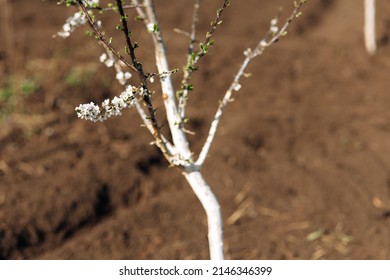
x,y
71,23
92,2
128,93
88,111
94,113
237,87
150,27
103,57
66,27
122,77
274,28
263,43
76,20
247,52
109,61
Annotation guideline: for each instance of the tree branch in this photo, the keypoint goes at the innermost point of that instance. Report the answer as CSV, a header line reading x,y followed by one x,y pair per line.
x,y
99,35
179,138
184,94
272,36
143,79
193,58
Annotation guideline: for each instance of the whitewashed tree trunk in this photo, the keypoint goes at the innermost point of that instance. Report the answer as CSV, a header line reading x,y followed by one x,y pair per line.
x,y
191,172
369,26
213,212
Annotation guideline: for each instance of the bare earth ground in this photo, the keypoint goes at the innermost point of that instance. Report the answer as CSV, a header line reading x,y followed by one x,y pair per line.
x,y
301,164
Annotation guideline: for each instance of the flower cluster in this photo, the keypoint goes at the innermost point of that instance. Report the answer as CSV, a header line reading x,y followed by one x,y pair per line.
x,y
93,112
110,61
71,23
76,20
122,77
91,3
273,26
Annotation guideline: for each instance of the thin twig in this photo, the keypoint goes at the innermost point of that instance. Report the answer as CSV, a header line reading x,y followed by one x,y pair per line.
x,y
193,29
143,79
139,9
275,34
187,74
99,35
130,46
95,7
193,58
182,32
124,7
209,34
149,126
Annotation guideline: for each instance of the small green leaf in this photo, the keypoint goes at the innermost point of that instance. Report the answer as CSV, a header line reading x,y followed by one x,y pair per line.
x,y
211,42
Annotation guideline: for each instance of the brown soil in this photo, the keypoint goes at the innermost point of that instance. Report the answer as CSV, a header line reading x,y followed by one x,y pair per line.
x,y
303,153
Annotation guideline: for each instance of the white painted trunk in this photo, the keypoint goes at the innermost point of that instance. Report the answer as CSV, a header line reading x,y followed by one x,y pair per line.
x,y
213,212
369,26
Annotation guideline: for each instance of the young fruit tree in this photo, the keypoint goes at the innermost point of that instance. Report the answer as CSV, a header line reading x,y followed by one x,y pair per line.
x,y
137,92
